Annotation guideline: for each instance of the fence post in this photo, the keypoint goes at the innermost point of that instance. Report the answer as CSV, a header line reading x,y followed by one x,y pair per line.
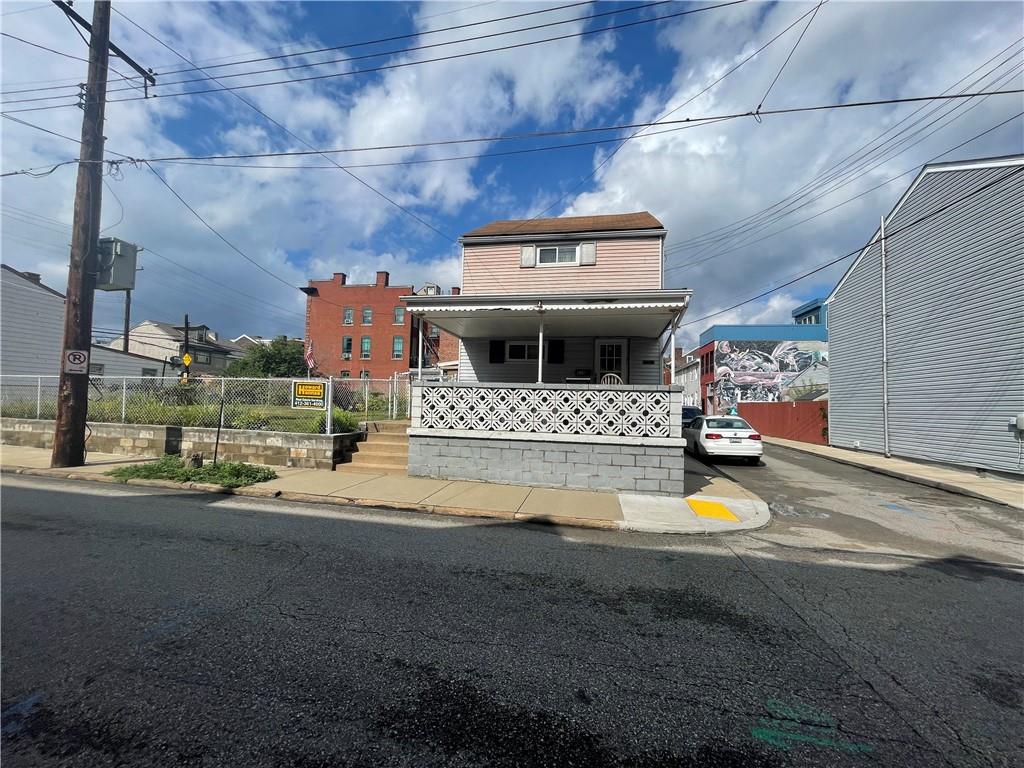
x,y
329,421
39,396
124,398
221,404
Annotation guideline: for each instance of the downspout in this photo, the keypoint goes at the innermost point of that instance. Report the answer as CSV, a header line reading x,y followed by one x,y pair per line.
x,y
540,345
885,345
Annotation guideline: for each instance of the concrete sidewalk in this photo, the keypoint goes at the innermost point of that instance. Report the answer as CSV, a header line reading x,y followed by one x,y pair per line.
x,y
987,486
712,502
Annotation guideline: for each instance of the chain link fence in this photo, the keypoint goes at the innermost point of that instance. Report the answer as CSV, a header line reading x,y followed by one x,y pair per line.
x,y
231,403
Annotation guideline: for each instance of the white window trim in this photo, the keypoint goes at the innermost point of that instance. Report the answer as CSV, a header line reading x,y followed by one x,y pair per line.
x,y
574,263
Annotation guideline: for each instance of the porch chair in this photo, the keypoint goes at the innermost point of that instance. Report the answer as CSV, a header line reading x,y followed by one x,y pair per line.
x,y
611,378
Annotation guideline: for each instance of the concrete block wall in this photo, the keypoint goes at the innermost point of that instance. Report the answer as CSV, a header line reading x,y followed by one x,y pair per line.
x,y
598,466
282,449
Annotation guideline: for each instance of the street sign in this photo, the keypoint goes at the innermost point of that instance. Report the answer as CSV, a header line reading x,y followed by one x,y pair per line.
x,y
76,361
186,359
309,395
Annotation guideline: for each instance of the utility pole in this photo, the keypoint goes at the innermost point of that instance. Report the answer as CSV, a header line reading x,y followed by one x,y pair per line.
x,y
127,320
186,356
73,392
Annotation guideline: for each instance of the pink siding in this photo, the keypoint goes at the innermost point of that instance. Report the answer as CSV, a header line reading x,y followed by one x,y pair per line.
x,y
631,265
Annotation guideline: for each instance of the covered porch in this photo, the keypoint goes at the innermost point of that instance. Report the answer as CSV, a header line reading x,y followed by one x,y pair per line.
x,y
591,338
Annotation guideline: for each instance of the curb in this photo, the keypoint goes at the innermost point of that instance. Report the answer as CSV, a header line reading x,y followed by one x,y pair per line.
x,y
906,476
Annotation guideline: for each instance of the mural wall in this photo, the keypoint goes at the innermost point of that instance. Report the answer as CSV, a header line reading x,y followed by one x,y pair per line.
x,y
769,372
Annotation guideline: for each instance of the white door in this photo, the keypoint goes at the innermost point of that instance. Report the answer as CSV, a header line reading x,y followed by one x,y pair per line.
x,y
610,357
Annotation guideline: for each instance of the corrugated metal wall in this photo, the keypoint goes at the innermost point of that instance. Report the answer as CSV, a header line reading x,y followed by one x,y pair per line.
x,y
956,336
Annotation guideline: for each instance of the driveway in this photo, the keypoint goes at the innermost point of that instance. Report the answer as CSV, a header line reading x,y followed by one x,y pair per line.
x,y
149,627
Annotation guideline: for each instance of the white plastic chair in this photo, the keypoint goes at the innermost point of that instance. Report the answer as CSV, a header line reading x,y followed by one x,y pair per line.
x,y
611,378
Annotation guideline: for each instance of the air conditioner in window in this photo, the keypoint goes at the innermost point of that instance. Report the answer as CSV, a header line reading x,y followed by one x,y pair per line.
x,y
346,355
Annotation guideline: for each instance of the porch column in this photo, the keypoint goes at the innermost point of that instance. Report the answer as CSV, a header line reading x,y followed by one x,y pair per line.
x,y
540,352
419,358
672,356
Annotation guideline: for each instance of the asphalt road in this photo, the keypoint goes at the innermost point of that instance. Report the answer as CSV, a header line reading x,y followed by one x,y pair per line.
x,y
145,627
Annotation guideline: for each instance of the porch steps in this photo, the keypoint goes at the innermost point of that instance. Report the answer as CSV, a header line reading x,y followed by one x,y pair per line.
x,y
385,450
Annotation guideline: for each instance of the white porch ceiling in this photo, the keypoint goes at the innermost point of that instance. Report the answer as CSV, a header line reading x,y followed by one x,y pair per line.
x,y
566,321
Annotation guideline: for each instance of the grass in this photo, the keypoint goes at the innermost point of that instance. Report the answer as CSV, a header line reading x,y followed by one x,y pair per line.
x,y
231,474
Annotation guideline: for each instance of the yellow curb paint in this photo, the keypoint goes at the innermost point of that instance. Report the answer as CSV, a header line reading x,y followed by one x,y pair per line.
x,y
712,509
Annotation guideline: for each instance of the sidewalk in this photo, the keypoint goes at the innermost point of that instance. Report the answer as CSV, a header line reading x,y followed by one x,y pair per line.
x,y
712,503
987,487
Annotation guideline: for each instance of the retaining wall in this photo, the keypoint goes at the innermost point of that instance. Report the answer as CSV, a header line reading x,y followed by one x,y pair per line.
x,y
282,449
648,465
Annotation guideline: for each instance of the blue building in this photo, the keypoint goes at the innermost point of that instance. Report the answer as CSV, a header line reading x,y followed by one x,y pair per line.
x,y
814,312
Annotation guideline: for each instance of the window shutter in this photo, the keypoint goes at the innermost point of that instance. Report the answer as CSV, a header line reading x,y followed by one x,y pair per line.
x,y
497,353
588,254
556,351
527,256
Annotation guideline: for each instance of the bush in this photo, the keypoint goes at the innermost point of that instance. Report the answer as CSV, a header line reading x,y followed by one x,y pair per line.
x,y
231,474
341,421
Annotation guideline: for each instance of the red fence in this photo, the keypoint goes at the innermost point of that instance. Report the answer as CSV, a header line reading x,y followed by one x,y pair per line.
x,y
805,420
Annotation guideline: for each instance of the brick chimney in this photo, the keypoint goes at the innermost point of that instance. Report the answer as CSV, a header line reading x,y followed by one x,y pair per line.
x,y
35,277
341,277
456,291
383,278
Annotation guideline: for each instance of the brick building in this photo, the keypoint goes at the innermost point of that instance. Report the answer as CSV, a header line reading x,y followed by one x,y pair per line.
x,y
364,331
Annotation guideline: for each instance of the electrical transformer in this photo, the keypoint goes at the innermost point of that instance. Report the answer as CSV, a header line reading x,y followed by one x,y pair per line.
x,y
117,265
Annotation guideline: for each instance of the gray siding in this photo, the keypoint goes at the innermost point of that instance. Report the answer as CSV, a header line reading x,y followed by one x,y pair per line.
x,y
956,340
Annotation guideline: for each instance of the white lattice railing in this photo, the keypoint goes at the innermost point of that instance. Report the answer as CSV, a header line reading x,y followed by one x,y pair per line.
x,y
613,412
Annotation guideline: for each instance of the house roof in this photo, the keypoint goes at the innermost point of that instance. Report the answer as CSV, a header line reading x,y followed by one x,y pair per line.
x,y
34,280
617,222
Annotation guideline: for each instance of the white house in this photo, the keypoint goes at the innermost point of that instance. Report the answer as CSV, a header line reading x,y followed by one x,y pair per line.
x,y
164,341
32,330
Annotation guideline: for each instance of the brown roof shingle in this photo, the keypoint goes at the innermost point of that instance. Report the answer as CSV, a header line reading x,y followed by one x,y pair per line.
x,y
610,223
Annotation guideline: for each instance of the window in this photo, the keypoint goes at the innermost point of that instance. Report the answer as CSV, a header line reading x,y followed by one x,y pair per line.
x,y
203,357
399,315
558,254
364,348
346,374
433,331
346,347
364,374
521,350
95,369
149,372
367,316
347,318
397,347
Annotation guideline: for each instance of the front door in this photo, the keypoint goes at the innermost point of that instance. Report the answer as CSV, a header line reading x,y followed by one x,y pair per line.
x,y
610,357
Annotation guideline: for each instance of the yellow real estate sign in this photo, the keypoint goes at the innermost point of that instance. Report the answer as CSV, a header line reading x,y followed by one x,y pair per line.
x,y
309,395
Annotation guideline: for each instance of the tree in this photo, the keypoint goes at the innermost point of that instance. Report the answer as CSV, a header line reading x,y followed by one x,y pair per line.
x,y
279,359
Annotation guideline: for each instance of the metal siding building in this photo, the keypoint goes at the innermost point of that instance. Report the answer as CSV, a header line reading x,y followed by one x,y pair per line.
x,y
955,302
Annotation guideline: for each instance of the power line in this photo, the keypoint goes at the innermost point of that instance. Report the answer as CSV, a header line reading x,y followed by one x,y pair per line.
x,y
791,52
256,109
25,10
402,65
43,47
833,262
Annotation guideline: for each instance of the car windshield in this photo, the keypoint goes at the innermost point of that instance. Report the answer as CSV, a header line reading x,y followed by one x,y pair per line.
x,y
727,424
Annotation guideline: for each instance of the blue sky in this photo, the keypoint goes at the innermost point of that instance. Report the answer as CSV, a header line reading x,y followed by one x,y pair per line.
x,y
302,223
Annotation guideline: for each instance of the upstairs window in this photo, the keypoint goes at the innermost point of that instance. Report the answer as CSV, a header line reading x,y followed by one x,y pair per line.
x,y
397,347
399,316
346,347
348,317
364,348
367,315
550,255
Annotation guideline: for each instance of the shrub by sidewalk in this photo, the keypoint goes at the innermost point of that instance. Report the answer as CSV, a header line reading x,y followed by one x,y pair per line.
x,y
230,474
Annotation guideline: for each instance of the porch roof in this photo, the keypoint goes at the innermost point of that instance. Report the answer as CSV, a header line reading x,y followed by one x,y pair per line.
x,y
627,313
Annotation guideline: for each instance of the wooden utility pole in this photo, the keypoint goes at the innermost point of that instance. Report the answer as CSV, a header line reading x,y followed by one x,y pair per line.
x,y
127,320
73,395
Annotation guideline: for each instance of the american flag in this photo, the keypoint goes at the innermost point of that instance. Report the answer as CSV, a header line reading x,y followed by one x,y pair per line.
x,y
310,359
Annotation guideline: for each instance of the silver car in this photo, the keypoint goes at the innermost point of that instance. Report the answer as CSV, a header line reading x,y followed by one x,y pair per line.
x,y
723,436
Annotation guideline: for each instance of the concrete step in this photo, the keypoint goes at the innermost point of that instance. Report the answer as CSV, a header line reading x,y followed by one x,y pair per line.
x,y
383,469
388,427
386,438
383,459
372,448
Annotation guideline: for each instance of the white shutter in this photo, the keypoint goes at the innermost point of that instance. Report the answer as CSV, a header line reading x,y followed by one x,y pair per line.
x,y
527,256
588,253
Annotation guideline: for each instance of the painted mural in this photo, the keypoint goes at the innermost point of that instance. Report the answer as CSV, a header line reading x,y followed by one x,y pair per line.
x,y
769,372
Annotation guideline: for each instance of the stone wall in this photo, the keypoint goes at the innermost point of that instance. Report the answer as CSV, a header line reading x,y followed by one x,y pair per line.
x,y
629,465
282,449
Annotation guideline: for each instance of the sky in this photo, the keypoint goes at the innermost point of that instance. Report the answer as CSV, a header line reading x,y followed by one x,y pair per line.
x,y
748,203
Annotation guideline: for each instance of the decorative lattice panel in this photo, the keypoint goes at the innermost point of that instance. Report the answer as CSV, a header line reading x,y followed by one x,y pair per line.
x,y
558,411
